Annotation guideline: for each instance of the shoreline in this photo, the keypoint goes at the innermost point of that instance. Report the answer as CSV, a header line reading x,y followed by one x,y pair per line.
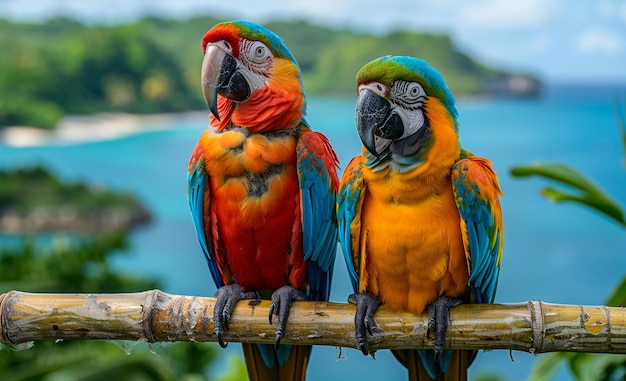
x,y
80,129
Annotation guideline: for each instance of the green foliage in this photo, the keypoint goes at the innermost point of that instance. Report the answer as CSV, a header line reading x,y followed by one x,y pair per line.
x,y
68,264
63,67
618,296
95,361
35,199
588,194
339,62
490,377
582,366
547,365
237,370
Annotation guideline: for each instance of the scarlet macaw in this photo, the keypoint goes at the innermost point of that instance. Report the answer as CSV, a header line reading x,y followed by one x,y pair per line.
x,y
262,188
419,217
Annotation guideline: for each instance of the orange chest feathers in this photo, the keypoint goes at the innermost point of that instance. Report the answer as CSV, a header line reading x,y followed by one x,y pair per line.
x,y
411,241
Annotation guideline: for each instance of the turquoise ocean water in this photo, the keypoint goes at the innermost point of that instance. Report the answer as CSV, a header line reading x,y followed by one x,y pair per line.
x,y
554,253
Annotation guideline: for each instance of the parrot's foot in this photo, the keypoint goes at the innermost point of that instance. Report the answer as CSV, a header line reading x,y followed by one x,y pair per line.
x,y
366,306
281,301
438,314
227,296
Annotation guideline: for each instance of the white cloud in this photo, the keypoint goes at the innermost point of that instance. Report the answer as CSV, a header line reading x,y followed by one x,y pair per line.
x,y
508,14
598,40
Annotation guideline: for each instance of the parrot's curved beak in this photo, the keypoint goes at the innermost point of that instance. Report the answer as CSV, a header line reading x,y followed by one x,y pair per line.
x,y
220,75
375,117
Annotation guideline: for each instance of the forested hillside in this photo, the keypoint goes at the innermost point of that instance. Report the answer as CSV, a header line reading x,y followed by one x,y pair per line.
x,y
33,199
64,67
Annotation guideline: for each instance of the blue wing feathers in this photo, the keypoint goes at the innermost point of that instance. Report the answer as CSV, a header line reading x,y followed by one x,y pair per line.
x,y
195,198
348,205
307,228
480,225
196,187
319,228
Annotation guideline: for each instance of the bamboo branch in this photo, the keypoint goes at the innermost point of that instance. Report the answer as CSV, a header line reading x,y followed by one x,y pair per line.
x,y
154,316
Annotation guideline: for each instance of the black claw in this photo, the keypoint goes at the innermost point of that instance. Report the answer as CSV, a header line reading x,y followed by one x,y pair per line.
x,y
221,341
272,309
438,315
227,296
366,306
281,301
431,320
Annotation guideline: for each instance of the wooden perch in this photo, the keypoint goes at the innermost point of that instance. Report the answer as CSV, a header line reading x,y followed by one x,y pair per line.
x,y
155,316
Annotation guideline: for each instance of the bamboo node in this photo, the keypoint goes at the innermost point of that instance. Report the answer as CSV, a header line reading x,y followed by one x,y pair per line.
x,y
607,313
538,326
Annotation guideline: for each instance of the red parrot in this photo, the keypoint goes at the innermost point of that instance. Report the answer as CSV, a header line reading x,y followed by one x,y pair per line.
x,y
262,188
419,217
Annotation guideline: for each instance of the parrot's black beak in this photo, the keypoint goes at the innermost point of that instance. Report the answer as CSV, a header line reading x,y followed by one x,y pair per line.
x,y
374,117
220,76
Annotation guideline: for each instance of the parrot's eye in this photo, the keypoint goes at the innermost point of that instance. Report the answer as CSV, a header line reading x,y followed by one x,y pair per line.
x,y
414,91
407,92
258,52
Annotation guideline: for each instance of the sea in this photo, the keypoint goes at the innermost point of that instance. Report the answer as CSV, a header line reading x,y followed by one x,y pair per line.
x,y
558,253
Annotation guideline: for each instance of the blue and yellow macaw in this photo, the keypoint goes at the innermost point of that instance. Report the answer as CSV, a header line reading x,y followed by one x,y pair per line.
x,y
262,188
419,217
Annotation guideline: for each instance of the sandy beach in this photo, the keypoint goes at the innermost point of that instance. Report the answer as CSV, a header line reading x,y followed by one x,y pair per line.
x,y
77,129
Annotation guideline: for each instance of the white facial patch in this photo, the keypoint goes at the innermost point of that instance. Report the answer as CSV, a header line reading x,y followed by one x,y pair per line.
x,y
413,120
408,100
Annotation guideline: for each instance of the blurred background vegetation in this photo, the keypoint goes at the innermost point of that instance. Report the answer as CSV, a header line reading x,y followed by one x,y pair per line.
x,y
33,199
77,265
62,67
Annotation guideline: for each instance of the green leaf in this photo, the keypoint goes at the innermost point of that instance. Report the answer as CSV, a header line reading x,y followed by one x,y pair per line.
x,y
557,172
618,296
547,365
602,205
236,370
577,362
597,366
589,194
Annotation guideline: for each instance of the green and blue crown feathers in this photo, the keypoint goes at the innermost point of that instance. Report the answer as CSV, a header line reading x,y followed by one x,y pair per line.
x,y
257,32
388,69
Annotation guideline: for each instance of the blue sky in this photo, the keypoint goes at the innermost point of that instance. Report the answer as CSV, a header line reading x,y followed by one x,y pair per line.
x,y
559,40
